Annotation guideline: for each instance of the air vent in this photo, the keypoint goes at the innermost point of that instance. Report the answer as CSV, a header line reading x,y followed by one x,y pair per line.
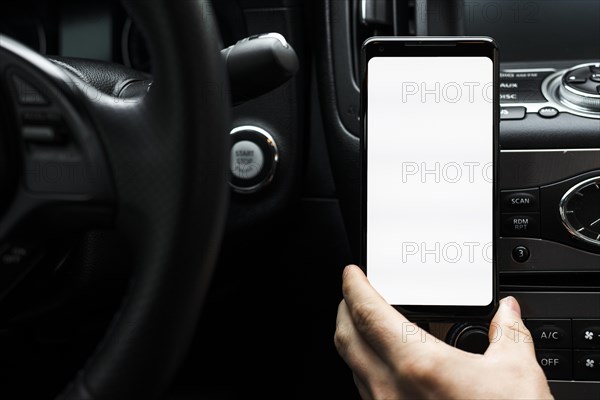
x,y
378,18
403,18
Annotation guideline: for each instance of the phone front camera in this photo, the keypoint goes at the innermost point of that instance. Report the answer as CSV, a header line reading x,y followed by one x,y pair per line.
x,y
381,49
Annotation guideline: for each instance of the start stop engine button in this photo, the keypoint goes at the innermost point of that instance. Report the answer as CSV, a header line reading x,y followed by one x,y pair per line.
x,y
253,159
247,160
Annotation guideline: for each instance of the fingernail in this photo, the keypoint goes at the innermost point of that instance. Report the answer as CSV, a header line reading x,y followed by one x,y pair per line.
x,y
513,304
346,269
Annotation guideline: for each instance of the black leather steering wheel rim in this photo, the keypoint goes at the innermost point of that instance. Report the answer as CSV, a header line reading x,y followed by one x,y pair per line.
x,y
178,188
168,158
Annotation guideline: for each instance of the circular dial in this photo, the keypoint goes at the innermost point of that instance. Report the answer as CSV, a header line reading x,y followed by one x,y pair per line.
x,y
580,210
580,87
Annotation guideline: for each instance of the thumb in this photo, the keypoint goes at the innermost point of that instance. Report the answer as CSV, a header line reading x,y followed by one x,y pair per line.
x,y
508,332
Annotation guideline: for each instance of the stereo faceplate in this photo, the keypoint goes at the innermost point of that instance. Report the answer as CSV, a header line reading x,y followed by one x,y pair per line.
x,y
548,92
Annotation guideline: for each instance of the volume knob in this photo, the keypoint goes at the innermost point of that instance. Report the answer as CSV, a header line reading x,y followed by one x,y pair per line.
x,y
471,338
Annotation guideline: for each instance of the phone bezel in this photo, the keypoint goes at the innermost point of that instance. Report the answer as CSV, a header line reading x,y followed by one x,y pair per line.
x,y
432,47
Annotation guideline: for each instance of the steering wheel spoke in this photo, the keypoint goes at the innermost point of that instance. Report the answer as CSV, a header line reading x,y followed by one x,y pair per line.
x,y
54,177
58,172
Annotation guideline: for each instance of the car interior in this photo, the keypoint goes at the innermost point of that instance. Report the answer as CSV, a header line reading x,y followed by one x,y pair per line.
x,y
181,190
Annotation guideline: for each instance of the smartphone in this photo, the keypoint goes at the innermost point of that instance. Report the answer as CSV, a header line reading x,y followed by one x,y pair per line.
x,y
429,154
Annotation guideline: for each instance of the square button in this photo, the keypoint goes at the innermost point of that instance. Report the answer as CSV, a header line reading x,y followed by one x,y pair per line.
x,y
521,225
557,364
587,365
520,200
550,333
586,333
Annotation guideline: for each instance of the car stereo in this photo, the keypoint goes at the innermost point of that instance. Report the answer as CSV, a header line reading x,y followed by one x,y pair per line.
x,y
548,171
550,189
549,245
548,92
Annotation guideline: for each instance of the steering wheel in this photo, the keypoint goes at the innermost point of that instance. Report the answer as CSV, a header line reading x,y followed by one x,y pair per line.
x,y
155,169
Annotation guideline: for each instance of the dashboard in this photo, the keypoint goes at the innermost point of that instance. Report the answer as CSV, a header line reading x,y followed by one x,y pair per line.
x,y
537,30
549,166
96,29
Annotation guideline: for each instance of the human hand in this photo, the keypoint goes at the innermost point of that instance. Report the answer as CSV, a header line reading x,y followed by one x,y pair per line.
x,y
392,358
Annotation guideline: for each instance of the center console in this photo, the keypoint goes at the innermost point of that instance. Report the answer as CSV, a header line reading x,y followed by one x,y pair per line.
x,y
549,249
549,168
549,244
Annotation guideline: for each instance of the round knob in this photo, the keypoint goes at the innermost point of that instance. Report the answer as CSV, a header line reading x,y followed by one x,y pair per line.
x,y
580,87
471,338
580,211
253,159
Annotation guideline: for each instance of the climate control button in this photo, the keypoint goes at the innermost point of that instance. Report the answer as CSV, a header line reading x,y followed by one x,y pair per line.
x,y
557,364
587,365
586,333
550,334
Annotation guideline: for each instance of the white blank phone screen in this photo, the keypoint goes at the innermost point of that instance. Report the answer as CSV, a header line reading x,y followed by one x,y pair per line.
x,y
430,180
